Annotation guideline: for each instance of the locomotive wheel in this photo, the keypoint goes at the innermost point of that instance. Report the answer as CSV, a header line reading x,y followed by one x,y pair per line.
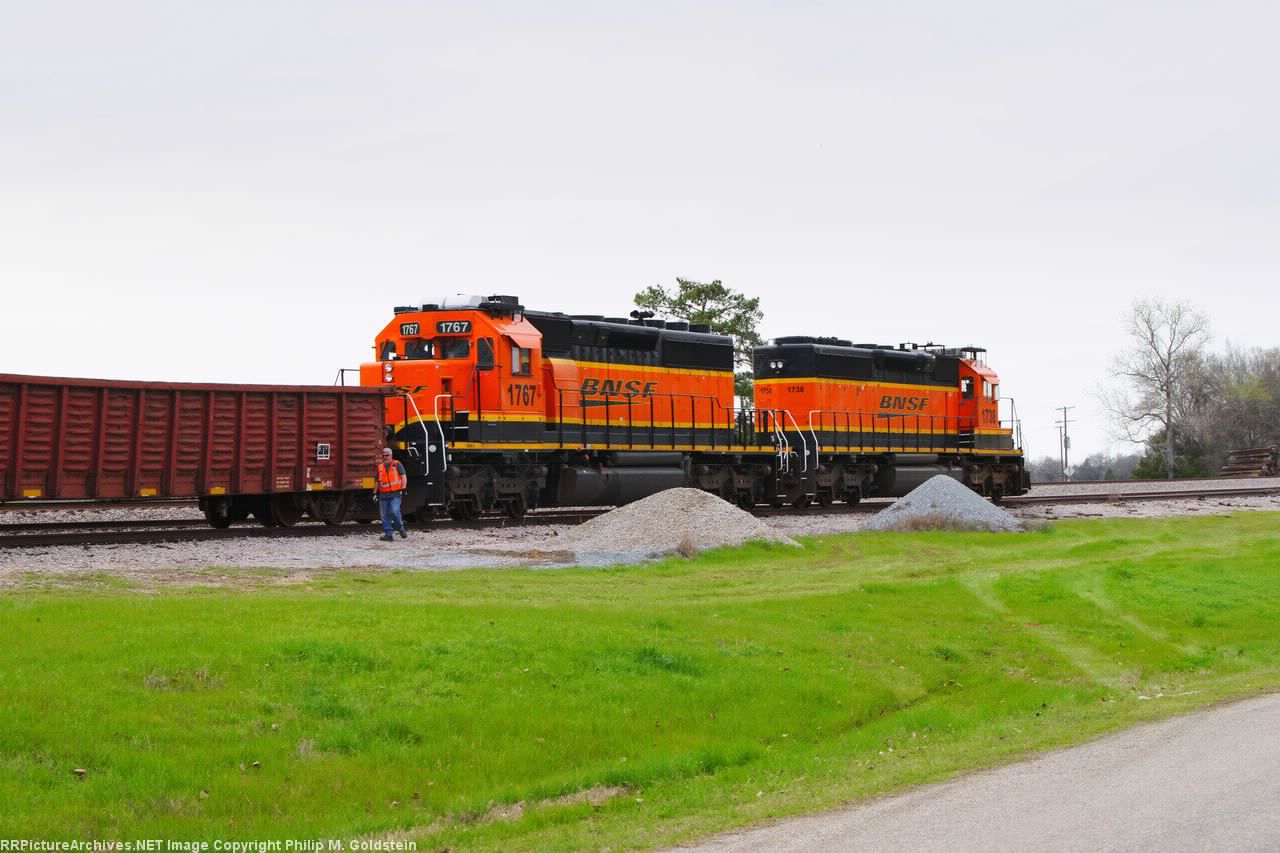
x,y
852,497
286,510
801,502
464,511
746,501
515,508
218,513
825,499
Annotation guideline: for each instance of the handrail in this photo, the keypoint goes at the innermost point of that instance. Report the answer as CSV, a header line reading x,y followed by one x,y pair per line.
x,y
784,455
439,426
817,445
1015,423
426,438
803,440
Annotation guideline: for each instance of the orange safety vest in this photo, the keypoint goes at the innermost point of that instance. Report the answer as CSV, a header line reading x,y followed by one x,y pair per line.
x,y
389,477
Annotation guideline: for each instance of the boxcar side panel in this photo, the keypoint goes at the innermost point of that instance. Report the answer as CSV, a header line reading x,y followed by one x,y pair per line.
x,y
77,439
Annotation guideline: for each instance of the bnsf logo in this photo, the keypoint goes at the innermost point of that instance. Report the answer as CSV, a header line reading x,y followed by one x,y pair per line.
x,y
907,404
618,388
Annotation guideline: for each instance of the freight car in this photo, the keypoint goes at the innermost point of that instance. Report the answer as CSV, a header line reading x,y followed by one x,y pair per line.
x,y
497,407
274,452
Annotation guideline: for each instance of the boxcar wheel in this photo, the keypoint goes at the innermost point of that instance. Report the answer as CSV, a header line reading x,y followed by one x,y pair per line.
x,y
331,509
286,510
218,513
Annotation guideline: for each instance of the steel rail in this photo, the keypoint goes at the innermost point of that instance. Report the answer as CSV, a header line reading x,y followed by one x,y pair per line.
x,y
145,531
1131,497
129,533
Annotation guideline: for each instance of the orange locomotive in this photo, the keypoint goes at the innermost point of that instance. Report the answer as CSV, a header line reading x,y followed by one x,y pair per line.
x,y
881,420
497,407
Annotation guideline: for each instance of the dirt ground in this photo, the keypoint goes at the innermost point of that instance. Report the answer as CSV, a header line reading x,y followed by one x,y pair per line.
x,y
259,562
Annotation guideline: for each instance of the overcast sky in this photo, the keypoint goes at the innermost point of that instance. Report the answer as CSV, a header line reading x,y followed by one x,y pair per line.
x,y
241,191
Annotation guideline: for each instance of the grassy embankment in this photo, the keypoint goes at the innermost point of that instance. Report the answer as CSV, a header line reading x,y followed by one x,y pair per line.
x,y
685,697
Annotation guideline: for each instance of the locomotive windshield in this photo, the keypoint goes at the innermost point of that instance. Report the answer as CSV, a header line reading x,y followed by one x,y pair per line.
x,y
453,348
417,349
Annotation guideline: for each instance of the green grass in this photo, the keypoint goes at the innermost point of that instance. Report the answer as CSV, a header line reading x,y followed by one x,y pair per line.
x,y
686,697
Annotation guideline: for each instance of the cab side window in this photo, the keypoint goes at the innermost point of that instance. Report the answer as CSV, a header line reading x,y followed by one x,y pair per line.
x,y
966,388
388,351
521,360
484,353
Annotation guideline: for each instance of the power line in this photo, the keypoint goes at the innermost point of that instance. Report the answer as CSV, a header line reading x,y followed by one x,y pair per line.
x,y
1064,440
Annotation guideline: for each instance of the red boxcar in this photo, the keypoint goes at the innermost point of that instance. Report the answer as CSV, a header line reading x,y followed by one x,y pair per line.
x,y
276,452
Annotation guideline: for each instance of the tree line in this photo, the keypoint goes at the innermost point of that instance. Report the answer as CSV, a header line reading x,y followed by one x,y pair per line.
x,y
1188,406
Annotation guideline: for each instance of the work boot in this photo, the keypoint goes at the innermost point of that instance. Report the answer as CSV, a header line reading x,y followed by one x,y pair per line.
x,y
387,538
404,535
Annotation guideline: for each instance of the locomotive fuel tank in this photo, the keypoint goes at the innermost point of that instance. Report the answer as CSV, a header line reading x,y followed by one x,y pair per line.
x,y
894,481
593,486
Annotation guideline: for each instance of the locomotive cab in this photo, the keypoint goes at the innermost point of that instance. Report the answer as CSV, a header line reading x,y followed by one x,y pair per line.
x,y
464,367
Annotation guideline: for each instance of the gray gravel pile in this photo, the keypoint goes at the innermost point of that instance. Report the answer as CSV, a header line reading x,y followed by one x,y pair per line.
x,y
681,521
942,503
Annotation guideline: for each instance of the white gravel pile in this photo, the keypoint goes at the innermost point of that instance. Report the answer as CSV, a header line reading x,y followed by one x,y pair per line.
x,y
942,503
681,521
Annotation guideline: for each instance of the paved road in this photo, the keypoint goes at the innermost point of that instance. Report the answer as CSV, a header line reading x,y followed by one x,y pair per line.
x,y
1205,781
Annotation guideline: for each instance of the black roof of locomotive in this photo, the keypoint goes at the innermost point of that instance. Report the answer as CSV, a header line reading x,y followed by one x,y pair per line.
x,y
805,356
643,341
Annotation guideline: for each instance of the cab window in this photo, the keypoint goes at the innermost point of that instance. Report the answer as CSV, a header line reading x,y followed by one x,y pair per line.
x,y
484,353
387,351
966,388
521,360
417,349
453,348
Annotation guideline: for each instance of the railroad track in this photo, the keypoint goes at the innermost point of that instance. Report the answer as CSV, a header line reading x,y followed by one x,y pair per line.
x,y
148,531
1130,497
151,531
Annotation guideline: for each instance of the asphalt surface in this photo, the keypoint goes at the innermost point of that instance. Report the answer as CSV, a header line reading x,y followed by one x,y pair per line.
x,y
1204,781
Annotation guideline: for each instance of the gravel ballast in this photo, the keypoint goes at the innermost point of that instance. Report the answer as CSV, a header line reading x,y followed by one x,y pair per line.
x,y
676,521
941,503
251,563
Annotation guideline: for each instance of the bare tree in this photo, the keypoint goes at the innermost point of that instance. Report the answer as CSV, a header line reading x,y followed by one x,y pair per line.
x,y
1158,372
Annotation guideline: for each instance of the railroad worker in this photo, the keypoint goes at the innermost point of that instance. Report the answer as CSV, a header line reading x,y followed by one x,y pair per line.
x,y
392,482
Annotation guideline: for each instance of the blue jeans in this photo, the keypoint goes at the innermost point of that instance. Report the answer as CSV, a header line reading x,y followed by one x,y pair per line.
x,y
389,509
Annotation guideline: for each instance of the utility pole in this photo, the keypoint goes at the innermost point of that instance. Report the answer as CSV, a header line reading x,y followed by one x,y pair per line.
x,y
1065,455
